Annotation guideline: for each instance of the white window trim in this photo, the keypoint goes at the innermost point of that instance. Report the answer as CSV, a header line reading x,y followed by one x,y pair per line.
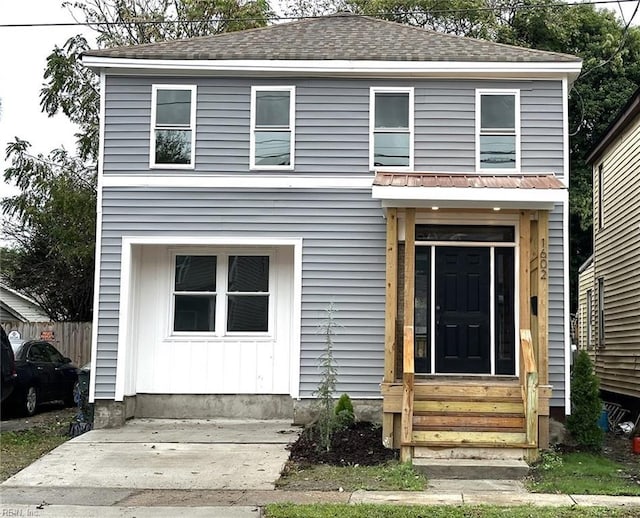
x,y
600,215
222,255
192,126
292,128
372,123
498,91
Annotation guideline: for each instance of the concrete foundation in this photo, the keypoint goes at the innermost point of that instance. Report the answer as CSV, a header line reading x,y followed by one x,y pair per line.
x,y
111,414
206,406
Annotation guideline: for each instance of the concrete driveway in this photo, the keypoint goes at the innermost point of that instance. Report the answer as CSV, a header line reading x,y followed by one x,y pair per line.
x,y
167,454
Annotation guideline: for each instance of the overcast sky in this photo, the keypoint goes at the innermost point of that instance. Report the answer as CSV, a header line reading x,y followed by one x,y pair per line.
x,y
23,53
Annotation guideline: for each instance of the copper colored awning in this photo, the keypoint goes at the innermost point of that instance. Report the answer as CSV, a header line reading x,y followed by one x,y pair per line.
x,y
457,190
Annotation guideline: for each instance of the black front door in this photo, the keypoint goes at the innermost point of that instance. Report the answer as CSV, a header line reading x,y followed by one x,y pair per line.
x,y
462,310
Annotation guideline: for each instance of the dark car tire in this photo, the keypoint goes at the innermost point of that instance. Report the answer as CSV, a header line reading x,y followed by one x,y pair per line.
x,y
30,401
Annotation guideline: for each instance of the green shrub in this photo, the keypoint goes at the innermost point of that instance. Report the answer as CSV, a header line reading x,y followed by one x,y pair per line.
x,y
586,405
345,415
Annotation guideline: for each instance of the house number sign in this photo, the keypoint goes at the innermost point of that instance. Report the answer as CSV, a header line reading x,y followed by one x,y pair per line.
x,y
543,260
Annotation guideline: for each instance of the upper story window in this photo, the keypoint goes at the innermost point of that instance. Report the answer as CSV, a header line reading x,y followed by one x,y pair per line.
x,y
173,126
391,128
498,129
272,127
600,196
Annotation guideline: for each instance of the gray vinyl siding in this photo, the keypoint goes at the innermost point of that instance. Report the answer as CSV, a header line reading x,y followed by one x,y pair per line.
x,y
332,124
343,262
556,308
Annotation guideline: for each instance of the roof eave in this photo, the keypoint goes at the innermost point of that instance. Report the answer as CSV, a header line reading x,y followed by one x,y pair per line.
x,y
569,69
626,114
456,197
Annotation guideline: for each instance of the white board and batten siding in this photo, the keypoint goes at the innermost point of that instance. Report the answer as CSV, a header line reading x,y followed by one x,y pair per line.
x,y
343,230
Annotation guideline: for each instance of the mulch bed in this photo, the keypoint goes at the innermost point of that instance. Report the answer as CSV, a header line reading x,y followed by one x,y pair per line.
x,y
359,444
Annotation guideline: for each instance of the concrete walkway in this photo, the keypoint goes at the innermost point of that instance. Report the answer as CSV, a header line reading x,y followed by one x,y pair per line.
x,y
167,454
227,468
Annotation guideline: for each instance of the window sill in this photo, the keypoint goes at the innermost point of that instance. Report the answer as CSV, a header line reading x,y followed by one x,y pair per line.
x,y
208,337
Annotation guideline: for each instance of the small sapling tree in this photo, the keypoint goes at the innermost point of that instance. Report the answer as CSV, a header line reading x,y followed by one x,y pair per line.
x,y
326,420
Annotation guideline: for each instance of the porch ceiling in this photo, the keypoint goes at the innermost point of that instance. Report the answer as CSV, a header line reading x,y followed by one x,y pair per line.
x,y
474,190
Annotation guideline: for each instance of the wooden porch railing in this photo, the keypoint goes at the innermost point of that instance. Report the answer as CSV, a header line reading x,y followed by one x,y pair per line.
x,y
529,381
408,382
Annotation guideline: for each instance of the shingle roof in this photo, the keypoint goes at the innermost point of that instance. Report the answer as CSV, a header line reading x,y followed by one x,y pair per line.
x,y
475,180
338,37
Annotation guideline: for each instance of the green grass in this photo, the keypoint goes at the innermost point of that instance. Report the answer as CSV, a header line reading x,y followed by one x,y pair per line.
x,y
393,476
581,474
19,449
440,511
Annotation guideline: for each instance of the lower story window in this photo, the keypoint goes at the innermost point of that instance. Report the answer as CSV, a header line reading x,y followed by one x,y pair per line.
x,y
221,294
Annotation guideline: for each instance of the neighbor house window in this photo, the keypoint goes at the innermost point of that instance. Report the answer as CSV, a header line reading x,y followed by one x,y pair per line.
x,y
600,196
173,130
221,293
601,312
272,127
589,319
498,129
391,128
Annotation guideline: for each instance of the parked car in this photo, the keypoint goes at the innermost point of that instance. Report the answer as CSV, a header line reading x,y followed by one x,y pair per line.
x,y
44,375
8,367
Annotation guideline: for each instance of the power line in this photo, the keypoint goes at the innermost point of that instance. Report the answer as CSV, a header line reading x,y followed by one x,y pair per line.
x,y
291,18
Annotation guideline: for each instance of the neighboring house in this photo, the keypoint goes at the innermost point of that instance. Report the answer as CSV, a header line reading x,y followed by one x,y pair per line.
x,y
613,278
585,305
416,180
16,307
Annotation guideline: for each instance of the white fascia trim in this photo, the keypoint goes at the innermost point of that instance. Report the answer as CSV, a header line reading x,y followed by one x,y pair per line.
x,y
98,245
567,315
390,68
125,292
499,196
253,181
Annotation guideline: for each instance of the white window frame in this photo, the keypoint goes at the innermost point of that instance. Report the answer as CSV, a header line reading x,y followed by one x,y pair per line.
x,y
589,319
601,315
601,196
372,127
517,130
222,276
291,128
192,126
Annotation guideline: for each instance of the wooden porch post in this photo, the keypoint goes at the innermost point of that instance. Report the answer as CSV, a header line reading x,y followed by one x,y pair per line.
x,y
391,310
525,265
408,361
543,328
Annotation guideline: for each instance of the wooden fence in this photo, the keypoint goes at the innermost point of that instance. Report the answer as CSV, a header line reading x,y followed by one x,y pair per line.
x,y
72,339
